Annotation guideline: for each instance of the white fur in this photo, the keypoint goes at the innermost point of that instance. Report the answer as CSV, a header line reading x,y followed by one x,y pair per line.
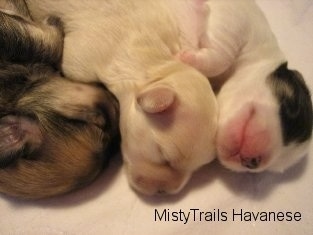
x,y
242,50
168,118
133,55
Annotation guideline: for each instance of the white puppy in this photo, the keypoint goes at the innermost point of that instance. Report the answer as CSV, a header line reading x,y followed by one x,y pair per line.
x,y
168,110
265,120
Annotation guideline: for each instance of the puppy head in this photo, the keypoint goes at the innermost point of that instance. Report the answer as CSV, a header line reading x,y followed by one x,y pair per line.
x,y
295,114
54,133
168,129
265,120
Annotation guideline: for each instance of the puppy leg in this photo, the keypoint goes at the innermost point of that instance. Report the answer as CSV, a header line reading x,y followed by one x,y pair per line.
x,y
211,61
218,40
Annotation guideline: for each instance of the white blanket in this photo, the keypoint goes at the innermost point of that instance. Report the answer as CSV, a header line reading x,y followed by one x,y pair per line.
x,y
217,201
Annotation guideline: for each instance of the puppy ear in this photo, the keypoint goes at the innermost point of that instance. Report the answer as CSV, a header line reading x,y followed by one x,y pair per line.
x,y
156,99
295,104
18,137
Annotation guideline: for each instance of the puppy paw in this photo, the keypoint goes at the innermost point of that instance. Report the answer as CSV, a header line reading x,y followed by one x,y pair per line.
x,y
198,59
188,57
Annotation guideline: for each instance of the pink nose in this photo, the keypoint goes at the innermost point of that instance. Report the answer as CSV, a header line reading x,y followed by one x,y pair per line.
x,y
251,162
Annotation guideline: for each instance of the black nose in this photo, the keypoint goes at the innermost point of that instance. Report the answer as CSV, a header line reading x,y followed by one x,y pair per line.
x,y
251,163
161,192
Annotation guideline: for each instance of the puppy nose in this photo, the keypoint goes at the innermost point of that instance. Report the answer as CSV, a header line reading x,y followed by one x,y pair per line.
x,y
161,192
251,162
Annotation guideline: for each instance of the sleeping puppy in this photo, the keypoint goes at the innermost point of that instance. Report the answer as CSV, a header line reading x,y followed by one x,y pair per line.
x,y
23,41
265,119
168,110
54,133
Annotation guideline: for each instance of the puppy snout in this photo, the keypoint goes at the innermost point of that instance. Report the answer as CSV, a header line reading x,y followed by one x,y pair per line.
x,y
251,162
161,192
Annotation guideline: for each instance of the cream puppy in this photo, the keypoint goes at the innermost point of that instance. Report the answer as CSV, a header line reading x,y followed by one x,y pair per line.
x,y
265,120
168,110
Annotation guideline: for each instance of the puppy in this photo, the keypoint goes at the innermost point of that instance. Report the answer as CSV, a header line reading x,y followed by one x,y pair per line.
x,y
23,41
168,109
55,134
265,117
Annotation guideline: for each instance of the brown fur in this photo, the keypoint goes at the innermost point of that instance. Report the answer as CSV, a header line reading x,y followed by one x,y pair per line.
x,y
55,134
74,134
168,117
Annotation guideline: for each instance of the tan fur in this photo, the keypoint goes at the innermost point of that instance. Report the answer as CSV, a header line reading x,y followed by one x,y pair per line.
x,y
55,134
70,154
57,168
131,47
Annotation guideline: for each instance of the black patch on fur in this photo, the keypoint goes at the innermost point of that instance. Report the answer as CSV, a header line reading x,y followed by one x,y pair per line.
x,y
16,43
295,103
18,80
20,45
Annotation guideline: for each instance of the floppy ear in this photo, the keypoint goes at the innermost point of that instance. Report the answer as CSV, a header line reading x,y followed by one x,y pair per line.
x,y
156,99
18,136
295,104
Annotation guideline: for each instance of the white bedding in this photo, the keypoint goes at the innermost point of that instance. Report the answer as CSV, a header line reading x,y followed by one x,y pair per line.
x,y
109,206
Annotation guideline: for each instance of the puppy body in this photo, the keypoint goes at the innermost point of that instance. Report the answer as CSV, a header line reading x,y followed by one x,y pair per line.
x,y
265,120
19,35
54,133
168,110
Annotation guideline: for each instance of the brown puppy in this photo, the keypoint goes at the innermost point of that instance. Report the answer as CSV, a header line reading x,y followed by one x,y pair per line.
x,y
54,133
168,111
24,41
